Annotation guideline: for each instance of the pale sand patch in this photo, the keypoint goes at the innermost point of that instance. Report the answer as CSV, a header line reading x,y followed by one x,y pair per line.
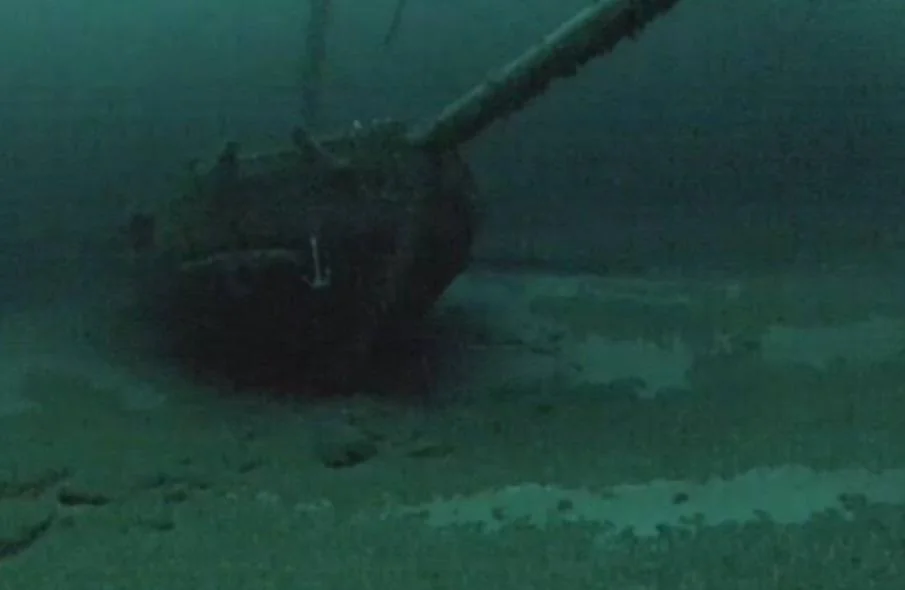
x,y
790,494
866,342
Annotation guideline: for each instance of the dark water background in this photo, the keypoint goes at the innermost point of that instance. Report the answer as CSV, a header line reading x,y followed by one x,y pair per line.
x,y
732,135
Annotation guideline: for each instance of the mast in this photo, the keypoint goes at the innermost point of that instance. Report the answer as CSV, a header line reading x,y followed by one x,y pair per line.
x,y
314,61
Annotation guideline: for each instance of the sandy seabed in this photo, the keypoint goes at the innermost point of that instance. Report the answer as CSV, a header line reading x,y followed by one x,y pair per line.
x,y
576,432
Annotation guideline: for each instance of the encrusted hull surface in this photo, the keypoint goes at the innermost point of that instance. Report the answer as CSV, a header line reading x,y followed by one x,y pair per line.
x,y
306,262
